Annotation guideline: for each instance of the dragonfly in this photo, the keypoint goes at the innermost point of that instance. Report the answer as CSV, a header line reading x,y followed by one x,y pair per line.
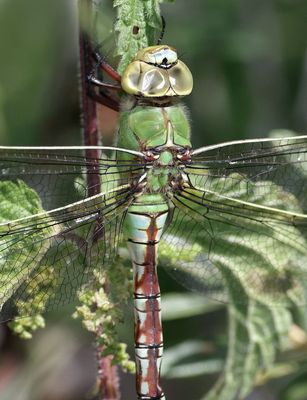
x,y
225,219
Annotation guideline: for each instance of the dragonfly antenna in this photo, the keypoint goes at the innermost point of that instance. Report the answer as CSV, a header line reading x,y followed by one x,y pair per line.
x,y
162,30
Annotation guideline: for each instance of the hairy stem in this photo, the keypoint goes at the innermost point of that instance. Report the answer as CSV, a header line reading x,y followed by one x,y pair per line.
x,y
88,106
108,381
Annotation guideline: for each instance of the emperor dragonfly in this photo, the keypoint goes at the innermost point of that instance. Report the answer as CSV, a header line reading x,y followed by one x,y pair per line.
x,y
228,209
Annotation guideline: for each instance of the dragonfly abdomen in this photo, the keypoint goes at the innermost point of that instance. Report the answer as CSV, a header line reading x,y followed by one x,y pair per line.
x,y
143,232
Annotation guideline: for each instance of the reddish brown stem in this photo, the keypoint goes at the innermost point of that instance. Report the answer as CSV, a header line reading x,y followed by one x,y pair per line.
x,y
108,381
90,128
108,389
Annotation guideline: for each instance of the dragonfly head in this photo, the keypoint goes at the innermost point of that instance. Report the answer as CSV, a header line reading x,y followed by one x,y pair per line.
x,y
157,72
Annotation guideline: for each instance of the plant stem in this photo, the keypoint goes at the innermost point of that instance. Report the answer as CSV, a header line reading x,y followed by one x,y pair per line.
x,y
108,381
88,106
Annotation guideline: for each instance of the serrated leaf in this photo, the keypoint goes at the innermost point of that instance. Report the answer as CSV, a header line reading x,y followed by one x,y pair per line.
x,y
30,289
256,333
137,25
17,200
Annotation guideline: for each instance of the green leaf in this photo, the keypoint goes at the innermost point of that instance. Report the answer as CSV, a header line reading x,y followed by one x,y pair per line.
x,y
177,361
138,22
186,305
296,392
31,274
17,201
256,332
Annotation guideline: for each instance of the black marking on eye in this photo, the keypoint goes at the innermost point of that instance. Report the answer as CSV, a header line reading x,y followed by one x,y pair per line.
x,y
164,64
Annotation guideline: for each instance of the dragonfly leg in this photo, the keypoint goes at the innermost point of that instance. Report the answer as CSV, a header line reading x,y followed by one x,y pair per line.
x,y
93,80
102,96
99,60
104,66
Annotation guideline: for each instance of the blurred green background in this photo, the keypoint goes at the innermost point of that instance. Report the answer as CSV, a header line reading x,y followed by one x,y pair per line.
x,y
248,59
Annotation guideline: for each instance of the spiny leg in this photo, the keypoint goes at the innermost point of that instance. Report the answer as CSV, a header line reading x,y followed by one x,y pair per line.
x,y
103,96
107,68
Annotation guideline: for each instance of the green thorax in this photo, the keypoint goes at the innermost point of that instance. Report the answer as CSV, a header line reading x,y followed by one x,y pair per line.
x,y
161,129
147,127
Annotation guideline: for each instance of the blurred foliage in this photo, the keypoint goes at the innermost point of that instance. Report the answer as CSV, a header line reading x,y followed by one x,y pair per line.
x,y
247,58
38,49
249,64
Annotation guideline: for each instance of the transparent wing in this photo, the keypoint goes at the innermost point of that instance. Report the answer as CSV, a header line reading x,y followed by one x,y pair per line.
x,y
281,161
45,256
238,229
62,175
